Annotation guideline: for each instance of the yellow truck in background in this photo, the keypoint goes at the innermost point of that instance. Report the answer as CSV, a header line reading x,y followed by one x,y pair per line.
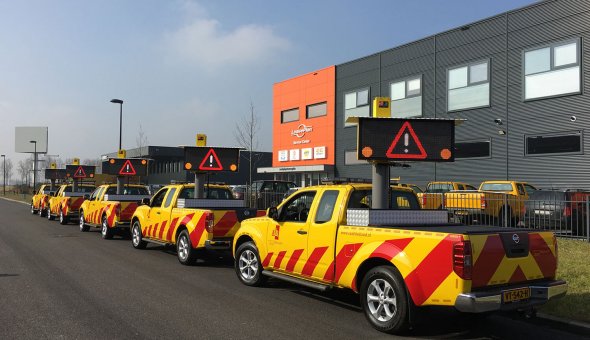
x,y
40,200
66,202
110,212
173,217
495,202
397,259
434,195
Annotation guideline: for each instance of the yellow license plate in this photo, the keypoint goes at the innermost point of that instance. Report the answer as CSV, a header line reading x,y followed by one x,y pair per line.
x,y
516,295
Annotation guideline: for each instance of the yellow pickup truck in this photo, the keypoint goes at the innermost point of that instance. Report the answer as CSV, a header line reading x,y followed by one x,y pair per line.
x,y
173,217
108,211
40,199
65,203
434,195
495,202
397,259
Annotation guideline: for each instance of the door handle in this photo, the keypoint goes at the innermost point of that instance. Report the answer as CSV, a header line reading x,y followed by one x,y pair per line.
x,y
301,232
157,213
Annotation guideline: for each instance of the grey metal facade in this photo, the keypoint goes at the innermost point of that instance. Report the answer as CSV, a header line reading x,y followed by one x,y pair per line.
x,y
501,40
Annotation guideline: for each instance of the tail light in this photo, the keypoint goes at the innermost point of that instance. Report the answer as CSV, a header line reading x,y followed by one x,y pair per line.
x,y
483,202
462,259
209,222
424,200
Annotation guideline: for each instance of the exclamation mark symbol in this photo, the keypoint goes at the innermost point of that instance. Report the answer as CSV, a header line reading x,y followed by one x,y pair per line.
x,y
406,141
211,161
128,168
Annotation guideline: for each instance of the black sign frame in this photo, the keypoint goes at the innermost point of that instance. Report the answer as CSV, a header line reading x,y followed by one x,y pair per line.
x,y
211,159
89,171
56,174
136,167
387,140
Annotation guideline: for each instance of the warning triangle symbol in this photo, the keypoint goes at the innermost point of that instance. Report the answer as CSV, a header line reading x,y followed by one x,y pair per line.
x,y
80,173
211,162
406,144
127,169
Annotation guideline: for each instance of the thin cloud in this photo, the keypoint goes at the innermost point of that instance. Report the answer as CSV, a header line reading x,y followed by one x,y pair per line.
x,y
204,43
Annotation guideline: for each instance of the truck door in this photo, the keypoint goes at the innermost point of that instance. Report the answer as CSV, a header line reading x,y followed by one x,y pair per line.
x,y
322,236
93,206
287,239
160,213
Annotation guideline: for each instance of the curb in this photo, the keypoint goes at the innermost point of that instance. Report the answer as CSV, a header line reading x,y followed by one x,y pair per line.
x,y
16,201
567,322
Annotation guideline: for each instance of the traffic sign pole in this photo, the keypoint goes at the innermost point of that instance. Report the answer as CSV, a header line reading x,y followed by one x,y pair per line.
x,y
380,187
199,185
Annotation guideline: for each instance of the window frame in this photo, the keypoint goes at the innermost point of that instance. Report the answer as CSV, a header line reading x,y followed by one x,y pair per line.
x,y
290,121
488,140
469,83
552,47
316,104
405,80
368,89
580,133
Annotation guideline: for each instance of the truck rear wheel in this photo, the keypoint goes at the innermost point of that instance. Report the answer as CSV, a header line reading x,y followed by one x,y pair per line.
x,y
49,216
384,299
248,266
62,218
83,226
136,236
187,255
106,232
33,211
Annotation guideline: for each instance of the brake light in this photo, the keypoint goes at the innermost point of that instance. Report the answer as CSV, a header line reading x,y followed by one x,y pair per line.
x,y
209,222
462,259
483,202
424,200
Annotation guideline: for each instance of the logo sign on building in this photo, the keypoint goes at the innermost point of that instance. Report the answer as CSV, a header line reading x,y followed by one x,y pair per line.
x,y
294,154
55,173
390,139
211,159
125,167
319,152
283,155
80,171
306,154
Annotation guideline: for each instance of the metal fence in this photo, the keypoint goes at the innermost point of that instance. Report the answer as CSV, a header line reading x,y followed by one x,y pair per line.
x,y
262,199
565,217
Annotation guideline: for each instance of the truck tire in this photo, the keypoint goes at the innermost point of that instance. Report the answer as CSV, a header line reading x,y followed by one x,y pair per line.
x,y
187,255
136,236
42,212
384,299
62,218
49,216
106,232
248,265
83,226
33,211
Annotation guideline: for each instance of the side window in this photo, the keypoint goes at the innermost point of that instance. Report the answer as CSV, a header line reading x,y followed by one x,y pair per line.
x,y
326,206
169,198
359,199
470,187
297,209
94,194
529,188
187,193
520,189
158,198
403,200
97,194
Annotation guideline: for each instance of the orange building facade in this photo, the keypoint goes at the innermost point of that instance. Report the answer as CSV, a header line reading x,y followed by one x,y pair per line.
x,y
303,127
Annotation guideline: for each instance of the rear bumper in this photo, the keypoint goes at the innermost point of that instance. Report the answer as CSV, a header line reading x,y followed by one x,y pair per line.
x,y
487,301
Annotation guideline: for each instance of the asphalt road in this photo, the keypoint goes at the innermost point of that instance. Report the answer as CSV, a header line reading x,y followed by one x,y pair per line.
x,y
57,282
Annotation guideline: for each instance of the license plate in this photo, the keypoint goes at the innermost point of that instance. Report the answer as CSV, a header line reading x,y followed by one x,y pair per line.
x,y
542,212
516,295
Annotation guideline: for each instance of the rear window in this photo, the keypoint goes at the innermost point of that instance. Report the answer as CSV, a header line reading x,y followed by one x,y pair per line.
x,y
213,193
497,187
547,195
439,188
398,200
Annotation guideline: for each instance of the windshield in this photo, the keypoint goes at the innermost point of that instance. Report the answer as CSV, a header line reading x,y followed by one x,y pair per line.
x,y
128,191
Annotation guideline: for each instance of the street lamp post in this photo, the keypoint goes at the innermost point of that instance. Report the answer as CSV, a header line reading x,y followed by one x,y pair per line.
x,y
119,178
4,175
34,165
120,102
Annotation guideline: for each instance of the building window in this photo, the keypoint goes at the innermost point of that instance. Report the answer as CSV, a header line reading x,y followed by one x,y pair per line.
x,y
290,115
356,104
564,142
552,70
406,98
351,158
473,149
469,86
316,110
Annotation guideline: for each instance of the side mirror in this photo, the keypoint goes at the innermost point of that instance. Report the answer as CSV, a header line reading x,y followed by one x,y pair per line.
x,y
145,201
273,213
86,196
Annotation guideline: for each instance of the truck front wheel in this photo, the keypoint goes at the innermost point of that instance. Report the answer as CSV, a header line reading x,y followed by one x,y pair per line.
x,y
136,236
248,266
83,226
187,255
62,218
384,299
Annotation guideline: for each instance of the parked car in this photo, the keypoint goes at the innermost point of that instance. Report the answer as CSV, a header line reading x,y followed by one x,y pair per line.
x,y
562,209
414,187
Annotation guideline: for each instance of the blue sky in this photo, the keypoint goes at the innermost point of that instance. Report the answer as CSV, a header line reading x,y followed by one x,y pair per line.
x,y
185,67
